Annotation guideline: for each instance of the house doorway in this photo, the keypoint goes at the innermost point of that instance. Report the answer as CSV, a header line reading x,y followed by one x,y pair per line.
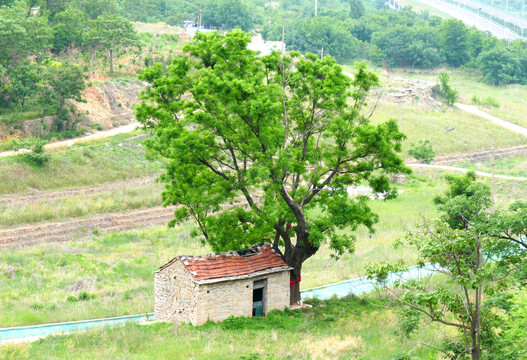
x,y
259,297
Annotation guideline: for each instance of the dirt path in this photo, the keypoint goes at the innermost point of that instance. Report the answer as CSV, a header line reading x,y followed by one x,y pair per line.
x,y
65,143
507,125
479,173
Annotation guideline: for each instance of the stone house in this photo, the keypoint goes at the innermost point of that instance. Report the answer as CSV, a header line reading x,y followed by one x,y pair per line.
x,y
195,289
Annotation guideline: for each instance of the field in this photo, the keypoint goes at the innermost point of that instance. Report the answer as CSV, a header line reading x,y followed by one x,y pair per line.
x,y
117,268
509,97
111,274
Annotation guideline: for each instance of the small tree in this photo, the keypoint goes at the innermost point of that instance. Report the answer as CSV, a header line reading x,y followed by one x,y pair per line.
x,y
444,90
422,151
62,81
25,78
464,248
110,32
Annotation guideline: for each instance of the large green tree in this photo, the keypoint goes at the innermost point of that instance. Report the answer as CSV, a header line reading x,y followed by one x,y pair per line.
x,y
264,148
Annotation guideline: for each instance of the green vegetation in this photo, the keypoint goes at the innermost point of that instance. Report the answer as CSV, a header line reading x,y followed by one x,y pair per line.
x,y
444,90
119,200
347,328
480,250
110,265
468,85
422,151
514,166
117,159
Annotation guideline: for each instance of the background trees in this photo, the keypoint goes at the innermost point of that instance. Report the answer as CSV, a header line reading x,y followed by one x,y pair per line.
x,y
109,32
285,137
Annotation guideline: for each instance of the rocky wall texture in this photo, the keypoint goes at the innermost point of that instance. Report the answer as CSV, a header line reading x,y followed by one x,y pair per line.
x,y
175,295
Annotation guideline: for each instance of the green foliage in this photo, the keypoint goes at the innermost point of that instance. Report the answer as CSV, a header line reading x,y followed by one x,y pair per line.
x,y
499,66
85,296
72,299
468,246
229,14
37,156
69,29
356,9
22,36
110,32
62,81
322,32
247,128
422,151
454,41
444,90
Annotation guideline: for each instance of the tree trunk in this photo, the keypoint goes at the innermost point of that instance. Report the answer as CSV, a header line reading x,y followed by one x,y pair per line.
x,y
295,257
111,61
475,348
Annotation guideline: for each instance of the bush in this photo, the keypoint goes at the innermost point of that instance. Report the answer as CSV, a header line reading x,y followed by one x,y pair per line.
x,y
85,296
36,157
444,90
422,151
72,299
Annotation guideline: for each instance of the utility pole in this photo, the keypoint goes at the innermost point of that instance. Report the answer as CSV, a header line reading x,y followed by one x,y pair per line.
x,y
322,53
316,7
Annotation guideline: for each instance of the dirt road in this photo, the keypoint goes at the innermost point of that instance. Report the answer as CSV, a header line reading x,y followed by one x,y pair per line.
x,y
65,143
507,125
479,173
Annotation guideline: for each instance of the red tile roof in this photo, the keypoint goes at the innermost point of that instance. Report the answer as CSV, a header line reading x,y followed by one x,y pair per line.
x,y
222,265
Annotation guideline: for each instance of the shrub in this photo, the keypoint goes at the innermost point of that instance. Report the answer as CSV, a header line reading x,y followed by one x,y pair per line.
x,y
444,90
487,101
85,296
72,299
422,151
37,156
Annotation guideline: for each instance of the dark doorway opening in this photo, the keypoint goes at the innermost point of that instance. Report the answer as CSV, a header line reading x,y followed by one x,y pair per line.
x,y
258,298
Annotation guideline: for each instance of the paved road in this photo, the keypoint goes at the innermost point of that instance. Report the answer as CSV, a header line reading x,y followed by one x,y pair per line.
x,y
479,173
494,12
471,19
98,135
507,125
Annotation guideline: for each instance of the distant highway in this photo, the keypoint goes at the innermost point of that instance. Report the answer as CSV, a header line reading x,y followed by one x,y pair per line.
x,y
471,19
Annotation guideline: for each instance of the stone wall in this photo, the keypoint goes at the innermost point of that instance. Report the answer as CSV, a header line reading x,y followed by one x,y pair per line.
x,y
175,295
218,301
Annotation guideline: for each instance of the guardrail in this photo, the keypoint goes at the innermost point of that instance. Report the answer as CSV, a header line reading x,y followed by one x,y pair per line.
x,y
513,28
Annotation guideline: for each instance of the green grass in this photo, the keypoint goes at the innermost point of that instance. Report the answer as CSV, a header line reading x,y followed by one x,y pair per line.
x,y
511,98
83,165
123,199
350,328
471,132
